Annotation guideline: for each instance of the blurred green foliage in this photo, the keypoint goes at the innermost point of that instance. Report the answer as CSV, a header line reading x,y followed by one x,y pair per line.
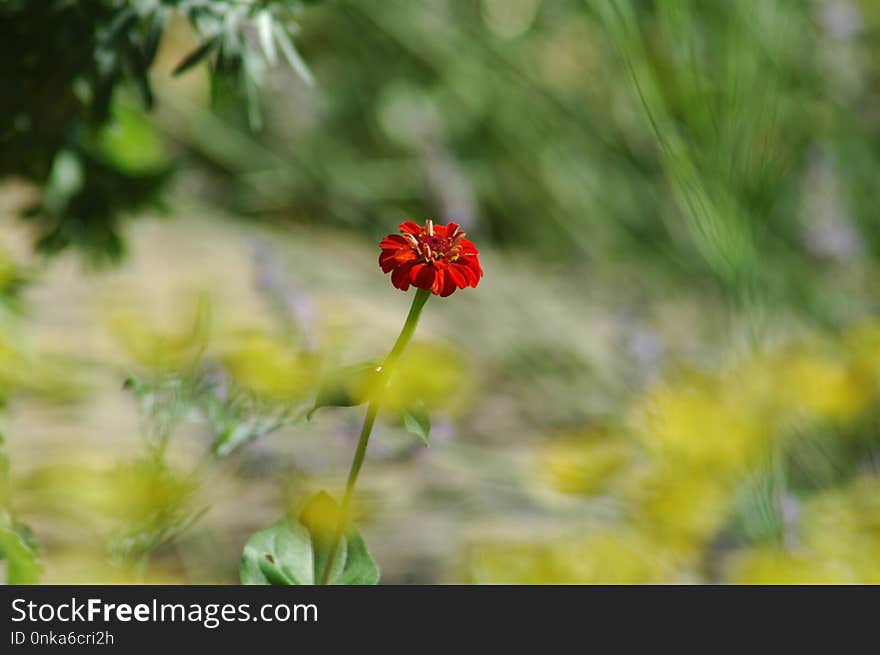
x,y
683,135
65,66
686,136
17,548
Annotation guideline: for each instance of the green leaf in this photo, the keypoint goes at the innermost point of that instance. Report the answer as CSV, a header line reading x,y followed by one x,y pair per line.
x,y
240,418
22,561
297,552
267,42
347,386
417,421
131,142
292,55
196,55
66,179
154,37
360,569
281,554
121,22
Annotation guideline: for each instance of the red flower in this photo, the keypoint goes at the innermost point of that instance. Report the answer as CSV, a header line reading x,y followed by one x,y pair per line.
x,y
436,258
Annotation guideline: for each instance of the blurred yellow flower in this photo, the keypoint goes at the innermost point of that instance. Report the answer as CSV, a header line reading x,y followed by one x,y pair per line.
x,y
843,526
88,564
136,492
618,557
269,366
159,349
838,542
863,344
821,384
432,373
582,464
696,422
22,369
771,566
679,507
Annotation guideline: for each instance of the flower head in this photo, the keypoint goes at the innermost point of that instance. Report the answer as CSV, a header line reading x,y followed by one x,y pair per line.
x,y
436,258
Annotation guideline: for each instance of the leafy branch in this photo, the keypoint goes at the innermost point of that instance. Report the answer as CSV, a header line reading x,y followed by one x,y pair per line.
x,y
63,65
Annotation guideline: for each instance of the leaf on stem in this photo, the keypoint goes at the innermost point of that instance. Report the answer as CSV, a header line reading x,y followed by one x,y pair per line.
x,y
417,421
347,386
297,552
196,55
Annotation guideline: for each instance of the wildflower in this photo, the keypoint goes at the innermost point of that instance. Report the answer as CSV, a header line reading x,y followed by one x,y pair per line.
x,y
823,384
699,422
582,464
838,542
436,258
619,556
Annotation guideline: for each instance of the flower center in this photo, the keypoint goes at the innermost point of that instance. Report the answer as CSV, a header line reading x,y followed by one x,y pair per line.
x,y
437,245
431,246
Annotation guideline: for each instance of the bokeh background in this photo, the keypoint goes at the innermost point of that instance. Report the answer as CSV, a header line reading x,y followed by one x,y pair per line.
x,y
670,372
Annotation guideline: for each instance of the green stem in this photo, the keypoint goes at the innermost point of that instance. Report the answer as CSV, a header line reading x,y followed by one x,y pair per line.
x,y
406,334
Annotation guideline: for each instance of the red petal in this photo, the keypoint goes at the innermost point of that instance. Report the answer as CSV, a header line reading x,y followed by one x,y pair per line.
x,y
456,275
392,258
411,228
449,285
415,270
387,261
393,241
468,248
439,282
471,269
400,277
425,278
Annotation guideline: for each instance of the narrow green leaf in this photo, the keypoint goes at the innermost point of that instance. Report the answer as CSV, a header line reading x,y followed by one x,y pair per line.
x,y
196,55
267,40
154,37
417,421
140,70
347,386
248,79
292,56
121,22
